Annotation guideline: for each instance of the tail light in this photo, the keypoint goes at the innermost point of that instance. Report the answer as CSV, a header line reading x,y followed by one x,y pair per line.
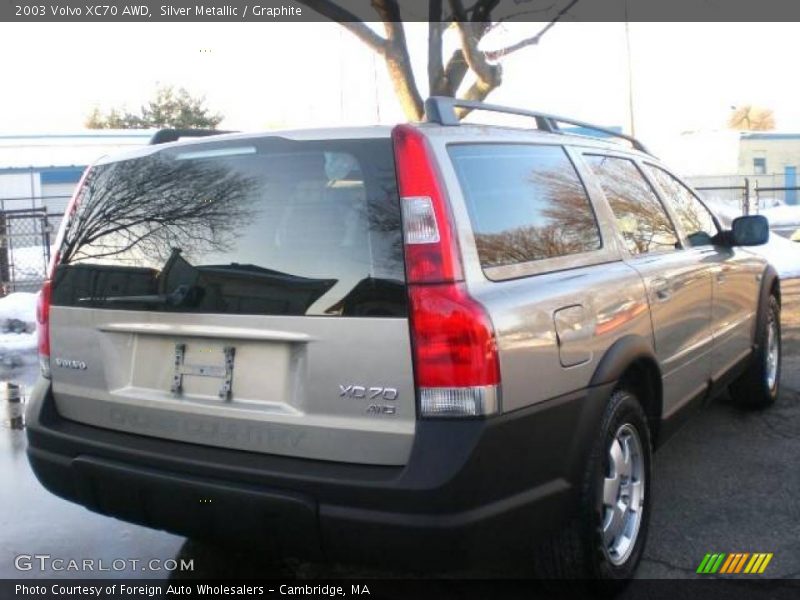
x,y
44,298
456,367
43,326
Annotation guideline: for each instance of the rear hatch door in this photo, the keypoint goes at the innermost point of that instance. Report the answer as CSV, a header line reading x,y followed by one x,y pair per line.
x,y
245,293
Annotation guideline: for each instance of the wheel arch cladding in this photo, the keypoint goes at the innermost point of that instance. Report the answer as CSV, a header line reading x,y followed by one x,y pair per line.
x,y
770,285
630,361
772,282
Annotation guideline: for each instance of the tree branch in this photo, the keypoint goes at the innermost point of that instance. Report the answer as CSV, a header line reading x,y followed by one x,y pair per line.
x,y
436,79
455,71
477,92
482,10
544,10
334,12
494,55
457,67
474,58
398,61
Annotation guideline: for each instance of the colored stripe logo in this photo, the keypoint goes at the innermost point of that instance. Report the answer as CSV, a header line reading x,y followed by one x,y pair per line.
x,y
735,563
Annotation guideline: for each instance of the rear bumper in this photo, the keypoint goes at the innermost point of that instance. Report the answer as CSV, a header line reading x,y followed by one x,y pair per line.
x,y
472,489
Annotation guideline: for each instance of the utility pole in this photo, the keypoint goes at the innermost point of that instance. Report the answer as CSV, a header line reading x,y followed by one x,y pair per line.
x,y
375,87
632,122
341,76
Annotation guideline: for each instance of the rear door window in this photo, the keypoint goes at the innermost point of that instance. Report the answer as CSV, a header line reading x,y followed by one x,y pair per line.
x,y
641,218
526,203
265,227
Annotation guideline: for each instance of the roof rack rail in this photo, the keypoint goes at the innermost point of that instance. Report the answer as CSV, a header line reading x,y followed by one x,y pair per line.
x,y
164,136
442,110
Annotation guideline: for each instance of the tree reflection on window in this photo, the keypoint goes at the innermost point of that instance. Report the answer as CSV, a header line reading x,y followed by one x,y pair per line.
x,y
526,203
140,210
641,218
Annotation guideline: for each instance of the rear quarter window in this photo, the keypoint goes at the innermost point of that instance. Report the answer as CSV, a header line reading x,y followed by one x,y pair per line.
x,y
525,202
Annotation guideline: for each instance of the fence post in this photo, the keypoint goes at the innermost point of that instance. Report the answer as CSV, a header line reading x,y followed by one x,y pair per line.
x,y
15,410
4,268
46,241
746,207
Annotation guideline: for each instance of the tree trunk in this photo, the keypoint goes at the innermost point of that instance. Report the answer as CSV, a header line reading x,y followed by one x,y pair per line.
x,y
404,86
444,79
398,61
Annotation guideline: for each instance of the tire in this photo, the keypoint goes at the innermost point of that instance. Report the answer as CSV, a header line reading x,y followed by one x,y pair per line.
x,y
759,386
585,549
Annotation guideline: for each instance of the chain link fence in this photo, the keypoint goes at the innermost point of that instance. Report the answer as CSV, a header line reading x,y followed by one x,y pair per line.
x,y
26,236
731,196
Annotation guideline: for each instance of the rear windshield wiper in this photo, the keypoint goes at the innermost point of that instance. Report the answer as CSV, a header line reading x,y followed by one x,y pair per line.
x,y
175,298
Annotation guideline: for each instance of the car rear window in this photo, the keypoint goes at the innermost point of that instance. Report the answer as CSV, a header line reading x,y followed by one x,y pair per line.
x,y
525,202
265,227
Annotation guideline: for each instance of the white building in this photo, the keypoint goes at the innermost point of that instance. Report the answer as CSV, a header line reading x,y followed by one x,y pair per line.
x,y
726,162
41,170
38,174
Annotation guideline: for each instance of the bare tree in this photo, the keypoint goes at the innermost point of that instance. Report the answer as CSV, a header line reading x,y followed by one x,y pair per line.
x,y
751,118
445,78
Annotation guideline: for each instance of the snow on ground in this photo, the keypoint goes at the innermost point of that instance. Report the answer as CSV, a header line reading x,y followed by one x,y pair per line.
x,y
782,215
783,253
20,306
17,330
778,214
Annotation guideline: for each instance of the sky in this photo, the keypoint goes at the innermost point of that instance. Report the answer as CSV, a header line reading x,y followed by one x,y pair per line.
x,y
685,76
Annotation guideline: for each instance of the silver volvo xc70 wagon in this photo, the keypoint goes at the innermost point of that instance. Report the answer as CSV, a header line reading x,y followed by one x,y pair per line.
x,y
440,343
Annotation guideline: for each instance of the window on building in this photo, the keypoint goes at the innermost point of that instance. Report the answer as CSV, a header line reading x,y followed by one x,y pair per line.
x,y
525,203
641,218
760,166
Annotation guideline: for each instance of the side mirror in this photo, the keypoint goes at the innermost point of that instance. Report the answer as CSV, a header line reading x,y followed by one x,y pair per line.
x,y
752,230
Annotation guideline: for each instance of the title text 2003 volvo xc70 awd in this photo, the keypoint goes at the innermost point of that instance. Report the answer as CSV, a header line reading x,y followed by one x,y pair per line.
x,y
440,342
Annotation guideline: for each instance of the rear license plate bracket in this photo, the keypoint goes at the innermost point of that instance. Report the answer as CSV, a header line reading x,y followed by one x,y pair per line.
x,y
224,372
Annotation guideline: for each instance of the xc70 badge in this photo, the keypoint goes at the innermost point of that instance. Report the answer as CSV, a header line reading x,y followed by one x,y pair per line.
x,y
376,396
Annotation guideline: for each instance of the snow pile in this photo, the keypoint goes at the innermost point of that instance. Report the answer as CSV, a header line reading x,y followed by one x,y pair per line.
x,y
782,215
778,215
783,253
17,329
20,306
